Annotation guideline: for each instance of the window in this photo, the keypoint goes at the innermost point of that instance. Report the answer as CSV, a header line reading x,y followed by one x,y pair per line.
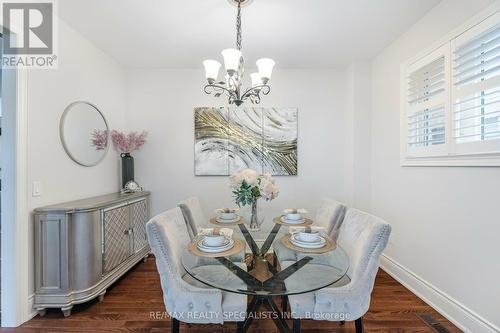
x,y
476,88
427,88
451,100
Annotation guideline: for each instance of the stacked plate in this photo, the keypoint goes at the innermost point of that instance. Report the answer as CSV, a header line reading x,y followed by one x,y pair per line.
x,y
316,244
290,221
221,219
204,247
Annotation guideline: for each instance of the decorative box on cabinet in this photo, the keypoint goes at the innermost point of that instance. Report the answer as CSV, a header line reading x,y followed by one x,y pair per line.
x,y
83,246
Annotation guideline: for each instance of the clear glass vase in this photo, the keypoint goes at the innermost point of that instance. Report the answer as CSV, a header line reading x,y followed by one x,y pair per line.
x,y
255,217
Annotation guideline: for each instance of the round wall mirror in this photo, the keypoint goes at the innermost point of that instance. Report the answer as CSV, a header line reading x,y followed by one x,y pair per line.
x,y
84,133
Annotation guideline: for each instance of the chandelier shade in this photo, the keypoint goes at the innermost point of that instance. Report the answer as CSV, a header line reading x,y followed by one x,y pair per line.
x,y
256,79
265,66
233,63
211,69
231,59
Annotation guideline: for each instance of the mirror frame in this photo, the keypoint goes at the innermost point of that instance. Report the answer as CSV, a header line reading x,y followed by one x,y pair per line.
x,y
61,133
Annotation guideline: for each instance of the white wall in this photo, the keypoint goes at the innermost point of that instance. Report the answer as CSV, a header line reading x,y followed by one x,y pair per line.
x,y
358,110
162,102
445,219
84,73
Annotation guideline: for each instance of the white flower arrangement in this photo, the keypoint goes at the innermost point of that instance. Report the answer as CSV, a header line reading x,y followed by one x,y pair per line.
x,y
248,186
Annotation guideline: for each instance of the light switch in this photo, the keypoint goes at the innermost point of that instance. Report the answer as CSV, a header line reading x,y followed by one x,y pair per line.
x,y
37,188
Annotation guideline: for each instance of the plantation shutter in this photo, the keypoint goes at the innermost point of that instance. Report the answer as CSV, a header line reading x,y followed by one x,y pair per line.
x,y
427,93
476,89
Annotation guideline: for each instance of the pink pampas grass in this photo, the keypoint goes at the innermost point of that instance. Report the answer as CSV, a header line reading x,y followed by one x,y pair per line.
x,y
127,143
99,139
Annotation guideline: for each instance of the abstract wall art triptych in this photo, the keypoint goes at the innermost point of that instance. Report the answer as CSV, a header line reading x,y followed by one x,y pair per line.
x,y
231,139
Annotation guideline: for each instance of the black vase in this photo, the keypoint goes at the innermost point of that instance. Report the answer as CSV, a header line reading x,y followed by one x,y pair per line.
x,y
127,168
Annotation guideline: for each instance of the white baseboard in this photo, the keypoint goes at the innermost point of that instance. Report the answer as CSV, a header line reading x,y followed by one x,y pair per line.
x,y
31,312
464,318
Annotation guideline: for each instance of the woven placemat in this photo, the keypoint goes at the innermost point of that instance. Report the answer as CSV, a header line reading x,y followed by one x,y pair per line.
x,y
213,220
239,245
306,222
329,246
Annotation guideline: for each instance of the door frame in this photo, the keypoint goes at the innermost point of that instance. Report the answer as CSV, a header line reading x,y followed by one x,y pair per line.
x,y
15,217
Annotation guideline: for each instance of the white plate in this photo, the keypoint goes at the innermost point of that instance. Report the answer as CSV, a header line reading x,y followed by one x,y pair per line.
x,y
221,220
210,249
307,245
227,242
284,220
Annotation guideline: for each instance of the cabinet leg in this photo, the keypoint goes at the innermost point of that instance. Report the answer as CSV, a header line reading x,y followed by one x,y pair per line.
x,y
101,296
42,312
67,311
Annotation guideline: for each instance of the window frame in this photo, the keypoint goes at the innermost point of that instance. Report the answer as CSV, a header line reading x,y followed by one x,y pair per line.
x,y
448,154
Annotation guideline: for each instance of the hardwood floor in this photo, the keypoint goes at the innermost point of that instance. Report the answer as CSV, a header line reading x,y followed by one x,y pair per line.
x,y
134,304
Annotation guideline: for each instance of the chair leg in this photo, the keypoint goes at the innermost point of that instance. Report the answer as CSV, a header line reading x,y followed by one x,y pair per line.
x,y
240,328
359,325
175,325
284,303
296,325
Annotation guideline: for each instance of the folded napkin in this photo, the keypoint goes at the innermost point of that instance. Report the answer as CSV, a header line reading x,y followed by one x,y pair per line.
x,y
294,211
210,231
320,230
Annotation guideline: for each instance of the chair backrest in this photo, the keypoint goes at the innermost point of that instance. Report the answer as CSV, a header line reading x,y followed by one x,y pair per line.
x,y
331,215
167,236
193,215
364,238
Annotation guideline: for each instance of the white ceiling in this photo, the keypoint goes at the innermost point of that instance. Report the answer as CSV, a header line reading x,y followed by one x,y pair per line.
x,y
295,33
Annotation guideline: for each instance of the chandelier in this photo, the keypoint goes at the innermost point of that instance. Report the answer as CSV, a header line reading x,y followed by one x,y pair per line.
x,y
233,63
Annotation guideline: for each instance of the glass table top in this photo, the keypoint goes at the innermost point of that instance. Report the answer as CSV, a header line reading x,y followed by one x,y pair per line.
x,y
305,273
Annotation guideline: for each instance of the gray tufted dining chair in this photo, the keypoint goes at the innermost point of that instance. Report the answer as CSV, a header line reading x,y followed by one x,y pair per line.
x,y
330,215
182,295
193,215
363,237
195,219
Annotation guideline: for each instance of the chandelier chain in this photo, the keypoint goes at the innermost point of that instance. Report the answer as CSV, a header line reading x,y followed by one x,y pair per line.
x,y
238,27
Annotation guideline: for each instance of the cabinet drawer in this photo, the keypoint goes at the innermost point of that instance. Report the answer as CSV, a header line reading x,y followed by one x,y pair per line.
x,y
116,237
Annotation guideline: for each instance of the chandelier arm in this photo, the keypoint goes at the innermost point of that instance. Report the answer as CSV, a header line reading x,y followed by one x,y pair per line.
x,y
255,99
219,89
266,89
263,88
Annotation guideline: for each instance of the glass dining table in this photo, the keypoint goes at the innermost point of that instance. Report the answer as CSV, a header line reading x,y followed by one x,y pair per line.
x,y
264,278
